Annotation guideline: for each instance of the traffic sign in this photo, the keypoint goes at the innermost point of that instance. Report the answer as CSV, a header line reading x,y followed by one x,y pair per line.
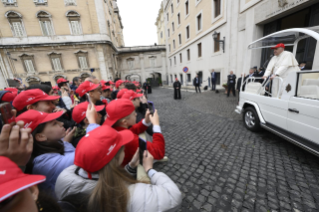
x,y
185,69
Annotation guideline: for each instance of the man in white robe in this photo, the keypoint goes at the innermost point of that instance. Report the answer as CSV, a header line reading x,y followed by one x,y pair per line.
x,y
280,66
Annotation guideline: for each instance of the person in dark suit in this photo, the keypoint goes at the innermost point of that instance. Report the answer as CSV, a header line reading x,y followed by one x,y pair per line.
x,y
177,89
260,73
231,82
197,83
213,78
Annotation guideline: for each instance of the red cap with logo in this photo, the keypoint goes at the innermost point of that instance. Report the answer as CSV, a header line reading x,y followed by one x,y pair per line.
x,y
33,118
79,111
110,82
98,147
85,87
131,95
121,92
62,80
118,83
118,109
30,97
13,180
279,45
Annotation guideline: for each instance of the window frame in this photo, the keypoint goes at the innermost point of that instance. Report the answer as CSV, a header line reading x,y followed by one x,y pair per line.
x,y
44,16
178,19
188,54
187,33
173,27
186,8
54,55
201,22
220,8
74,16
28,57
10,4
199,50
175,60
68,3
12,17
37,3
180,58
217,44
197,2
79,54
179,39
174,44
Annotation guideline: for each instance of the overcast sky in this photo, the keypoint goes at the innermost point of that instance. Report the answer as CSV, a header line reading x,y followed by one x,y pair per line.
x,y
138,18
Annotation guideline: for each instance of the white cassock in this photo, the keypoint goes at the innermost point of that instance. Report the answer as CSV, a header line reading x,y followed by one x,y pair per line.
x,y
281,65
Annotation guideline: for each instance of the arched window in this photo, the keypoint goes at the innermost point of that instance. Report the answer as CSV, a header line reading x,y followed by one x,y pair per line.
x,y
45,23
74,22
70,2
16,24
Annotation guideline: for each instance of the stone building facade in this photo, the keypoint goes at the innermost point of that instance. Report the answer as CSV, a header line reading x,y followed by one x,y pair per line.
x,y
160,25
190,26
43,40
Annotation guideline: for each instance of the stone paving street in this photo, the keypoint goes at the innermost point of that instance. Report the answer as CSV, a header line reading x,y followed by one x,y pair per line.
x,y
221,166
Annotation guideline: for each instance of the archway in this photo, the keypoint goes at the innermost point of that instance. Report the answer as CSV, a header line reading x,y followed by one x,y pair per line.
x,y
156,79
58,76
134,77
33,80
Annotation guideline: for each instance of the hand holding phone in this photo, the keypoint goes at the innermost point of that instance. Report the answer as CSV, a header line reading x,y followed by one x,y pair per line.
x,y
142,147
7,114
151,108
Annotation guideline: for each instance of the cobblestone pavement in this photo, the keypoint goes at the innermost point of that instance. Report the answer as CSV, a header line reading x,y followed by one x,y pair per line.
x,y
221,166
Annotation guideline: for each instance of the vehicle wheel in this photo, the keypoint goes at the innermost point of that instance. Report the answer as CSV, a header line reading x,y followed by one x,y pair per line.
x,y
251,119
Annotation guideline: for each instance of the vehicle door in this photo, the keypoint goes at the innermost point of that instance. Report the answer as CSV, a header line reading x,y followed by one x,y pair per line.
x,y
303,110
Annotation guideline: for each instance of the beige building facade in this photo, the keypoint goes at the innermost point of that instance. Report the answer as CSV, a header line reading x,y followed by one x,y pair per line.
x,y
160,25
43,40
191,25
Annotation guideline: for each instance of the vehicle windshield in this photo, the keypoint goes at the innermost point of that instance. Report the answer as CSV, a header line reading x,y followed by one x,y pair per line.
x,y
288,37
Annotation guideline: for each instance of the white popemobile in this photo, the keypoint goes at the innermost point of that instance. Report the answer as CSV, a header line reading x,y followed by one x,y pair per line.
x,y
293,112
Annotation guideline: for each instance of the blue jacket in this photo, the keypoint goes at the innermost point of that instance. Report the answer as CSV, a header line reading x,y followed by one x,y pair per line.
x,y
52,164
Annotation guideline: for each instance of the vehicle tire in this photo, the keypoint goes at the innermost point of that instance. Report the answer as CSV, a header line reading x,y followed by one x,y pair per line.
x,y
251,119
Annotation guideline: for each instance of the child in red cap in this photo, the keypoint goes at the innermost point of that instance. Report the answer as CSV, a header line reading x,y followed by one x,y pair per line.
x,y
121,115
106,93
52,152
97,178
87,116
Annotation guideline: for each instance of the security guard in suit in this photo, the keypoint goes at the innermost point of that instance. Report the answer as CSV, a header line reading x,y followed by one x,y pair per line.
x,y
231,82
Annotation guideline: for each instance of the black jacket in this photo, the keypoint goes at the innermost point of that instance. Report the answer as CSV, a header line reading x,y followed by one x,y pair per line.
x,y
177,84
231,79
198,82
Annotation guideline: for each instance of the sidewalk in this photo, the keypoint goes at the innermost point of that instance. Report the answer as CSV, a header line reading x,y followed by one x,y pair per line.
x,y
191,89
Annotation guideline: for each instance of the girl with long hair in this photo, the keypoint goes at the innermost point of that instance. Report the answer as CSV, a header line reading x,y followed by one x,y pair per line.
x,y
109,186
52,152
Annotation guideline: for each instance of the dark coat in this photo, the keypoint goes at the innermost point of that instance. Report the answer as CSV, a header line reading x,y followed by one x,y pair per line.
x,y
177,90
198,82
231,79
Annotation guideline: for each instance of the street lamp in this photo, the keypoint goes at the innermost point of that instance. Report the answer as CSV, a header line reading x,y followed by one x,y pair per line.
x,y
215,36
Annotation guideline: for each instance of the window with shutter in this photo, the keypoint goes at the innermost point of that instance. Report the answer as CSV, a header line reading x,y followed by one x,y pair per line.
x,y
57,64
83,63
75,26
17,28
29,66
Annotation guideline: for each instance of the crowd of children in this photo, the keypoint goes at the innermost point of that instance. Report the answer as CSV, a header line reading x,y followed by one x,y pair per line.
x,y
77,147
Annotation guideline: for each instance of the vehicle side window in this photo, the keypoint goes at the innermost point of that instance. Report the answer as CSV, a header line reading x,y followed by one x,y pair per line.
x,y
308,86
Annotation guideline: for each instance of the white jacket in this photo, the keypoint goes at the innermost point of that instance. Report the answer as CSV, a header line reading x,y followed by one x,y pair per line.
x,y
161,195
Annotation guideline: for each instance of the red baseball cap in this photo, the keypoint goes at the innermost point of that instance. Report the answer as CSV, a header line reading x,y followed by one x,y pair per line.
x,y
121,92
98,147
278,46
86,87
13,180
130,95
62,80
33,118
118,109
118,83
30,97
105,87
111,82
138,90
79,111
56,87
102,82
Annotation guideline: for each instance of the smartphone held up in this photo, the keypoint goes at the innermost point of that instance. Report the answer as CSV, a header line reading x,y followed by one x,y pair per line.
x,y
7,115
